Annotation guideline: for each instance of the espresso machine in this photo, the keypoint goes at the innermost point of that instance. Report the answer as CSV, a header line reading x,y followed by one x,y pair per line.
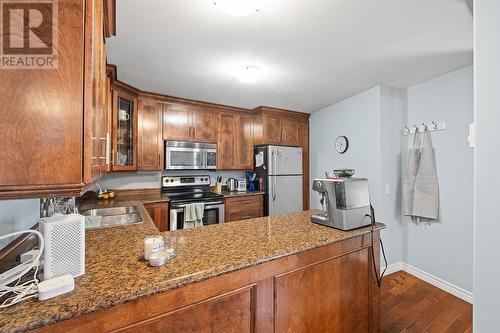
x,y
345,202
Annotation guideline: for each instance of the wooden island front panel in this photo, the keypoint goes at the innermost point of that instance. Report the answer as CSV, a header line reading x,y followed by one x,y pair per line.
x,y
331,288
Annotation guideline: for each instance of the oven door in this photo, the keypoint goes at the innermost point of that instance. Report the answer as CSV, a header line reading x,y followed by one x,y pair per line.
x,y
185,158
213,214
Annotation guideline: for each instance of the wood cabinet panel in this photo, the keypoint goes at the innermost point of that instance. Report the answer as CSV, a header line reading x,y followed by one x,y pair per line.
x,y
204,125
289,131
108,122
110,18
335,280
332,296
41,113
177,122
235,141
304,143
150,141
244,142
272,129
242,215
231,313
242,208
158,211
226,147
95,138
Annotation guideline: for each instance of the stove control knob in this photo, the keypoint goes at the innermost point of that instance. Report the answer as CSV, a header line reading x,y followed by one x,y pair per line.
x,y
171,180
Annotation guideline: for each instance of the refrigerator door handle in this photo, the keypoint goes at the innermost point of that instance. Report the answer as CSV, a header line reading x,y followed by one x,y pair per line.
x,y
274,173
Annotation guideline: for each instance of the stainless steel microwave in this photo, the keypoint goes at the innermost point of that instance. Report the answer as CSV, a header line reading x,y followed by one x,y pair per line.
x,y
181,155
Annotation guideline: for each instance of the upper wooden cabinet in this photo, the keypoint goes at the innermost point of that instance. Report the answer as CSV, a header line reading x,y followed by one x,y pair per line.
x,y
51,130
244,141
187,122
235,141
124,138
204,124
95,94
177,122
290,131
278,127
272,129
150,139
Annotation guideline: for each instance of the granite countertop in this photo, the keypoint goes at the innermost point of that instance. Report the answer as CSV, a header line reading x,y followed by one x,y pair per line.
x,y
121,199
229,194
115,274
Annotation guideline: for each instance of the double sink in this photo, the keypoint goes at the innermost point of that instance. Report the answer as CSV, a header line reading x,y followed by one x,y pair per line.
x,y
111,217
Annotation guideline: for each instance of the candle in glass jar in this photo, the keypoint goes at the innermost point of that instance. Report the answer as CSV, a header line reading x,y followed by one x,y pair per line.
x,y
153,244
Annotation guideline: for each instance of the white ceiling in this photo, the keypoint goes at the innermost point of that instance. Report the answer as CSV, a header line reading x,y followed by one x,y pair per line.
x,y
312,53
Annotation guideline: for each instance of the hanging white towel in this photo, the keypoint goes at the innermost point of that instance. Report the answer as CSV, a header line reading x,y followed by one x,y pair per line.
x,y
426,194
193,215
411,174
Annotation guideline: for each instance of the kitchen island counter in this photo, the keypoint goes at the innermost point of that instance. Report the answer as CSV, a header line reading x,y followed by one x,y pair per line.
x,y
115,274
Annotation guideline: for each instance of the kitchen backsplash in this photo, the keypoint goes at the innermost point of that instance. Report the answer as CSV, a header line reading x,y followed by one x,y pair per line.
x,y
152,180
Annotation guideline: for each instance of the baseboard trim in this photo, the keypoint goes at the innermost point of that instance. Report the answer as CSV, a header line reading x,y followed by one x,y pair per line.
x,y
434,280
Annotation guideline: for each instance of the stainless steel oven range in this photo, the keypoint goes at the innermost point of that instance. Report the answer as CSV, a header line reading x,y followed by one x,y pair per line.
x,y
183,190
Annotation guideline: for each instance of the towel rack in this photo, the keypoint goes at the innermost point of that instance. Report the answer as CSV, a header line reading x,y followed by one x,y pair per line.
x,y
424,127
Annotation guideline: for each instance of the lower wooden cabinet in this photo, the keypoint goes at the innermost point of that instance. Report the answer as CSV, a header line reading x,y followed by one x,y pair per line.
x,y
331,288
228,313
303,296
159,213
242,208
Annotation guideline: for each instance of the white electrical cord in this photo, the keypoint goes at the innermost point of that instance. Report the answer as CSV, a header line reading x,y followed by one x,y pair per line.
x,y
29,288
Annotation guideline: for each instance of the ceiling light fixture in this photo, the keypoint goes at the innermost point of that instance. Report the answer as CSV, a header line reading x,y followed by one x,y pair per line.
x,y
249,74
239,7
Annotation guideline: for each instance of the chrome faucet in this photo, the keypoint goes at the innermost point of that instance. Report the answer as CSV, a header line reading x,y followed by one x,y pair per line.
x,y
100,188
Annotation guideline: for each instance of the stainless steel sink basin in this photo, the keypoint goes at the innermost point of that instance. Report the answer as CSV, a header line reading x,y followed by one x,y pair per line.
x,y
111,217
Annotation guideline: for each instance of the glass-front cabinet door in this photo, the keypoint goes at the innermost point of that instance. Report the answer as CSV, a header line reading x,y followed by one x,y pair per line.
x,y
124,155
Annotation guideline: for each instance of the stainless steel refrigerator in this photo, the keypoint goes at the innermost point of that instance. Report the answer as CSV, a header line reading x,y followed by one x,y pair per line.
x,y
280,168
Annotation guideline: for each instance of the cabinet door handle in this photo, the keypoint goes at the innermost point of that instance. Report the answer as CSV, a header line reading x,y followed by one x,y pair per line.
x,y
246,202
108,148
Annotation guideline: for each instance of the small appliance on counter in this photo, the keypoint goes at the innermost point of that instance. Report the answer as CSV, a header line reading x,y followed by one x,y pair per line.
x,y
345,202
242,185
236,185
64,252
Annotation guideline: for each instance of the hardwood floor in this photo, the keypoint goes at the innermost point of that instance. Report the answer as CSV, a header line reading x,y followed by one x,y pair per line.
x,y
409,304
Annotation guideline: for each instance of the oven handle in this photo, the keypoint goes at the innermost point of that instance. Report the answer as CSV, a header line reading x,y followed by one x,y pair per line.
x,y
174,210
210,205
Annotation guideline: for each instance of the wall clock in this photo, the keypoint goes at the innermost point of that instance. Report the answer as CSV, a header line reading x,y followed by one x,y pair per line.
x,y
341,144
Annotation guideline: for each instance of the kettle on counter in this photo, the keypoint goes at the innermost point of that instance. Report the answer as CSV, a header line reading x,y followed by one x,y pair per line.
x,y
232,184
